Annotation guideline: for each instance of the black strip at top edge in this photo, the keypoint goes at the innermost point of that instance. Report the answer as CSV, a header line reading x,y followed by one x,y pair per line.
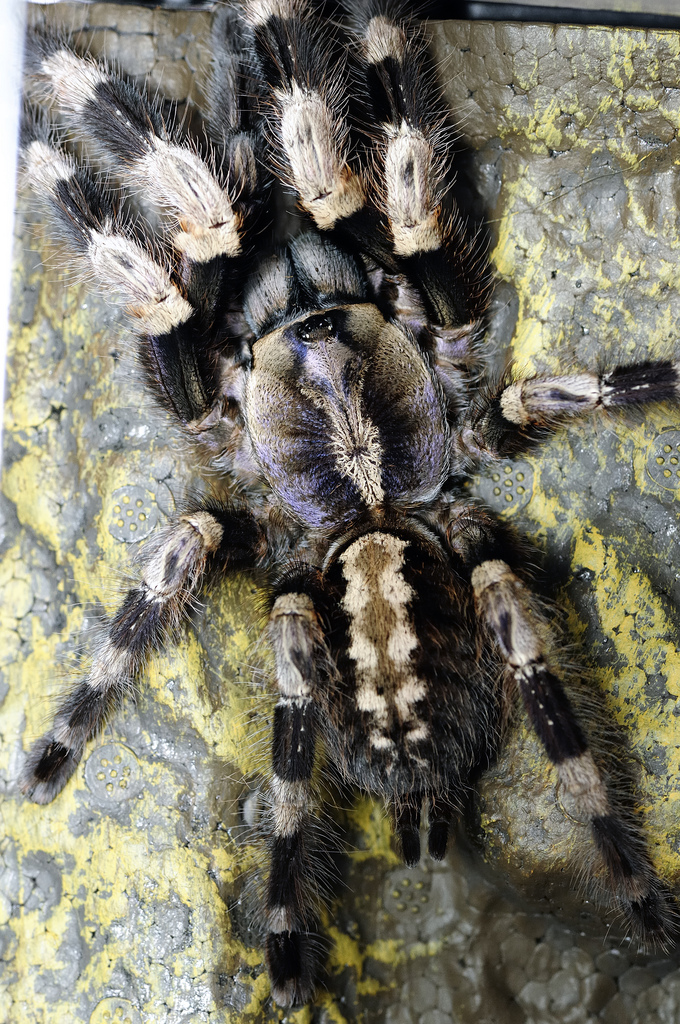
x,y
473,10
491,10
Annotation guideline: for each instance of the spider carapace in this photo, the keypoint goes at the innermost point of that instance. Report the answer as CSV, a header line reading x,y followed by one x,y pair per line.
x,y
336,384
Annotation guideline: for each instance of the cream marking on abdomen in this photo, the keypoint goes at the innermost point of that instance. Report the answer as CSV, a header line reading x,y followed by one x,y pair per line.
x,y
382,638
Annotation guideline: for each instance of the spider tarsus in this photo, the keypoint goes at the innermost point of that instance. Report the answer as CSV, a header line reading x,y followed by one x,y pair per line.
x,y
648,904
410,847
291,962
48,768
655,917
437,839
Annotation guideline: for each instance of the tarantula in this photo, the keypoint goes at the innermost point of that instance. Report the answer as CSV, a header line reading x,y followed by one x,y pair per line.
x,y
332,385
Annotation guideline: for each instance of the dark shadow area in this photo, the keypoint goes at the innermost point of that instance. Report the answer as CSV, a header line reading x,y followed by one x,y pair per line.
x,y
479,10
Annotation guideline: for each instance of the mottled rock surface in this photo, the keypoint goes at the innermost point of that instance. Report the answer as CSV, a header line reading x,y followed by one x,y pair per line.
x,y
127,899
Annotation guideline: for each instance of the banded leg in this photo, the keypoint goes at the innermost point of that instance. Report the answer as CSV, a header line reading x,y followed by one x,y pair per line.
x,y
506,606
297,869
523,413
175,567
183,374
412,140
306,121
208,212
102,107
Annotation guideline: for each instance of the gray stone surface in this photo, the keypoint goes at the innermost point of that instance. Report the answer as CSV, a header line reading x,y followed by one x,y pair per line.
x,y
132,896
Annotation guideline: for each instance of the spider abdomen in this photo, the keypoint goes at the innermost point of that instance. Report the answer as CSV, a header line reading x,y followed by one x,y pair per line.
x,y
411,711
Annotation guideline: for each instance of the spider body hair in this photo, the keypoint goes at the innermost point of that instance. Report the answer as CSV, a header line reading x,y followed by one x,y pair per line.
x,y
334,380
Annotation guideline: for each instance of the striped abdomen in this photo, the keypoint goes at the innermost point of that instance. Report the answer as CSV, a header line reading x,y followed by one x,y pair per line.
x,y
411,708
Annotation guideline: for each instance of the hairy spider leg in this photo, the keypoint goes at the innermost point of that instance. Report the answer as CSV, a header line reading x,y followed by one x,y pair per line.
x,y
517,416
233,118
298,864
198,543
412,136
209,207
522,636
508,608
306,127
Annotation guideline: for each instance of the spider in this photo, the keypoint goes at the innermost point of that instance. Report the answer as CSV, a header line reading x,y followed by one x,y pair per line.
x,y
334,385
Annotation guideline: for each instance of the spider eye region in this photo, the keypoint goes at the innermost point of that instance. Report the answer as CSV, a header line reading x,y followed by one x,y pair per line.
x,y
344,414
317,328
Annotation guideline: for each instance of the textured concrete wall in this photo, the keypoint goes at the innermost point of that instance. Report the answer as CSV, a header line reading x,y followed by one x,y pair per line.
x,y
128,898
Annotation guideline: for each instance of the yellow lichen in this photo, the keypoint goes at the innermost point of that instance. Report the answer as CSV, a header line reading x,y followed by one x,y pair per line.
x,y
113,865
